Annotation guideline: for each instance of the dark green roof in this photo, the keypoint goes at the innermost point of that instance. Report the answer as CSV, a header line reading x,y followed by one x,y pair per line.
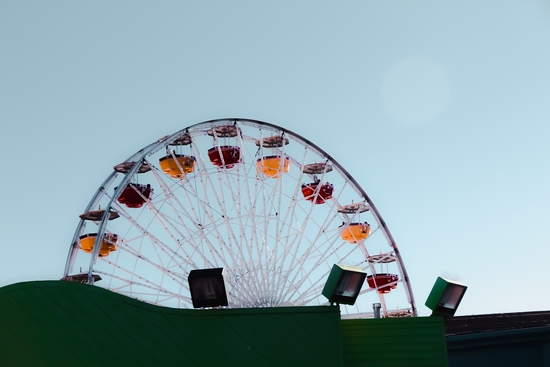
x,y
56,323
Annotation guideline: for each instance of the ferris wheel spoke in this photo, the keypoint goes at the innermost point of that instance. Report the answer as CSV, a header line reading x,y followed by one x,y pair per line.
x,y
192,233
143,283
268,198
318,248
204,206
297,261
238,241
209,218
287,221
144,233
245,216
344,258
179,278
157,242
209,186
323,249
300,281
311,294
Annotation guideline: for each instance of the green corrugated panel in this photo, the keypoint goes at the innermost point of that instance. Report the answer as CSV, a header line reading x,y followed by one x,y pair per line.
x,y
397,342
55,323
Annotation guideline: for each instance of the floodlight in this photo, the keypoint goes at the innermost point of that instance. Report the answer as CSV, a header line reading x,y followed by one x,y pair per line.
x,y
343,284
207,288
445,297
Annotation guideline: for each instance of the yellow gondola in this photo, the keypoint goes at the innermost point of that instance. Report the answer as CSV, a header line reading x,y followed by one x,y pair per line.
x,y
177,166
272,166
107,245
355,232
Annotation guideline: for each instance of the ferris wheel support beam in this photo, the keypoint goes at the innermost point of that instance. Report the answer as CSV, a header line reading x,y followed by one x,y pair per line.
x,y
82,223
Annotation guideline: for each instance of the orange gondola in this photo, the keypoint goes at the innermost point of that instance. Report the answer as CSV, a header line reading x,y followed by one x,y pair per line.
x,y
178,165
355,232
108,244
273,165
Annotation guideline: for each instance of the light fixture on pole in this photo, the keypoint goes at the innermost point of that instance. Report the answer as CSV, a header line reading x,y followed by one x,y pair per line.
x,y
207,288
445,297
344,284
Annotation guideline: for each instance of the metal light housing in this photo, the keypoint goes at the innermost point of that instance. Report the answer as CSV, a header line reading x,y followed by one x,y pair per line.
x,y
344,284
207,288
445,297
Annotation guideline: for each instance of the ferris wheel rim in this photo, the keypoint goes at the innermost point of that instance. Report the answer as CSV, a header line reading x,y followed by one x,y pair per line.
x,y
141,155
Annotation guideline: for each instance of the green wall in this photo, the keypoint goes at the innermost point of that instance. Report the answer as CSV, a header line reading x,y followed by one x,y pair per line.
x,y
55,323
411,341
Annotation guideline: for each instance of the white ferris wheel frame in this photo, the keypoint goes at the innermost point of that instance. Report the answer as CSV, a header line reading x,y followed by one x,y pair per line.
x,y
187,253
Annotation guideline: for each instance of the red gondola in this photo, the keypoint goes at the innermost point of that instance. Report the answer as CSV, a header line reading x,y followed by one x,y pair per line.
x,y
325,192
135,195
384,283
230,155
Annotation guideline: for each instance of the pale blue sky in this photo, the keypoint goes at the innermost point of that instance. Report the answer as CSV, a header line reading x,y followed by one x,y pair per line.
x,y
439,109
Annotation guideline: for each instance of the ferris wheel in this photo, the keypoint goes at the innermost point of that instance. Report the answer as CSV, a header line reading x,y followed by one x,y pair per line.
x,y
269,207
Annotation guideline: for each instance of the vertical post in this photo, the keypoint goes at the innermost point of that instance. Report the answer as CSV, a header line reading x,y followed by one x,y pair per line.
x,y
376,308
